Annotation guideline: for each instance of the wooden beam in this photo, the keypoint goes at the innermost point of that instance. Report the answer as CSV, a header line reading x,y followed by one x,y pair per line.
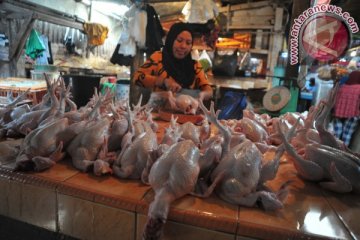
x,y
59,21
22,42
292,71
259,51
15,15
250,26
42,13
258,39
228,18
18,42
254,20
268,10
276,43
244,6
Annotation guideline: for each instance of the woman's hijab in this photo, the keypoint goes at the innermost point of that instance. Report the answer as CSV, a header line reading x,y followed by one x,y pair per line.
x,y
182,70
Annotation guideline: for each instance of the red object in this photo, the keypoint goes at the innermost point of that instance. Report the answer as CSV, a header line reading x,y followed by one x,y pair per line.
x,y
112,79
348,101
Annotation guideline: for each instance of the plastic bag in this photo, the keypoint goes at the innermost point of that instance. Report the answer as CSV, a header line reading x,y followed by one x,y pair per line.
x,y
205,56
200,11
232,105
205,61
34,45
225,64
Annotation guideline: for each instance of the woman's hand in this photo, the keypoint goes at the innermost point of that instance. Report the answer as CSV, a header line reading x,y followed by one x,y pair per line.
x,y
206,93
202,95
172,85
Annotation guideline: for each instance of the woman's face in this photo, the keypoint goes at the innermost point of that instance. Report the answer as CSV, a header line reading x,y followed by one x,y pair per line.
x,y
182,45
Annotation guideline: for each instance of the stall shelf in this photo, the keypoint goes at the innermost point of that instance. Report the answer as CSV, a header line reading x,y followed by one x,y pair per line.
x,y
81,205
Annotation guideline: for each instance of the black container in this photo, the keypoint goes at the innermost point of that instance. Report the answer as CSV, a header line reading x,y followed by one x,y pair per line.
x,y
82,87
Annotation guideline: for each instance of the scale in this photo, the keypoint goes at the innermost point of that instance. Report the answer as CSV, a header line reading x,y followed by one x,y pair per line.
x,y
276,98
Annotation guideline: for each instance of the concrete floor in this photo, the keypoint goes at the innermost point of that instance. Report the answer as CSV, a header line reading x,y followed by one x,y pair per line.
x,y
11,229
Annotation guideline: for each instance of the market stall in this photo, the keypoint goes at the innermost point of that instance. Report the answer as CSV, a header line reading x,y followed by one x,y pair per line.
x,y
81,158
84,206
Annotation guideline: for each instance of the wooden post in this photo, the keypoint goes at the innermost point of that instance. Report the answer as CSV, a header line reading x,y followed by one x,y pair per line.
x,y
291,72
276,44
135,91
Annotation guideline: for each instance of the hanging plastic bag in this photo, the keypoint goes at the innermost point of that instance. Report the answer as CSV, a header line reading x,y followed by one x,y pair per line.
x,y
34,46
127,43
205,60
200,11
225,64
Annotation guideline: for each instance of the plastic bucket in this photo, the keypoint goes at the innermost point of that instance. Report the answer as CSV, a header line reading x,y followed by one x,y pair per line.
x,y
122,89
82,87
39,75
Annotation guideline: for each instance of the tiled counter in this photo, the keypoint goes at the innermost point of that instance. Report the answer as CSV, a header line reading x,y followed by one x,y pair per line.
x,y
84,206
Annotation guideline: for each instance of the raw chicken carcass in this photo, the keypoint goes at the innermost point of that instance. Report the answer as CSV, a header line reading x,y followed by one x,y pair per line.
x,y
89,148
253,130
189,131
9,150
5,113
180,103
119,127
240,174
85,147
335,169
42,147
172,176
137,156
186,104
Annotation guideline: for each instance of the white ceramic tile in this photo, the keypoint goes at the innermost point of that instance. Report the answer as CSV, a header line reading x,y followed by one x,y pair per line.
x,y
38,206
110,223
75,216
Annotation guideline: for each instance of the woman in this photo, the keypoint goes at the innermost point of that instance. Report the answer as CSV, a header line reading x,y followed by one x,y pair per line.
x,y
173,68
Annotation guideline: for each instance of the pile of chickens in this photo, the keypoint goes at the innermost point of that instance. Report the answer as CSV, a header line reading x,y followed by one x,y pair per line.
x,y
107,137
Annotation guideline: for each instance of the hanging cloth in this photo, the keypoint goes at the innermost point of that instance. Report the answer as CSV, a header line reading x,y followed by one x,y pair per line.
x,y
120,59
347,103
127,43
154,31
96,33
34,45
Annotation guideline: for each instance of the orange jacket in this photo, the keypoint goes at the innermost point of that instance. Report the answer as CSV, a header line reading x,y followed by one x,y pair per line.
x,y
154,67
